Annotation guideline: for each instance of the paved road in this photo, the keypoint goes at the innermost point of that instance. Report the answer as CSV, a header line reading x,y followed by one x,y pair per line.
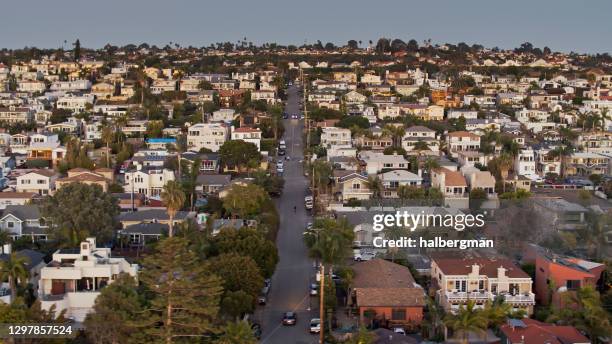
x,y
295,270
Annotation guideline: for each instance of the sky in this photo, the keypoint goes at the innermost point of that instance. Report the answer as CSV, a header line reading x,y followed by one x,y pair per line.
x,y
562,25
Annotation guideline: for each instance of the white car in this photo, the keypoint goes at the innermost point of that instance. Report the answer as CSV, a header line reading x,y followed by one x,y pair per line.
x,y
362,256
280,170
315,325
399,330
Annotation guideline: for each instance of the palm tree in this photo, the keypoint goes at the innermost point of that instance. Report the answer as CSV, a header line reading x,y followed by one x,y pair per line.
x,y
561,152
467,319
5,237
15,270
107,136
396,132
237,333
420,146
395,233
173,198
435,318
605,117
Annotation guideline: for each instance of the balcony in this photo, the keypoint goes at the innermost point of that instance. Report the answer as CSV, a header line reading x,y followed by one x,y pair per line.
x,y
461,296
522,298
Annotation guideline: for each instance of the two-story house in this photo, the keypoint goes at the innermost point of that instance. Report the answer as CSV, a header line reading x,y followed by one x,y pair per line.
x,y
392,180
74,278
453,186
461,141
148,181
419,133
247,134
23,220
377,162
481,280
39,181
333,136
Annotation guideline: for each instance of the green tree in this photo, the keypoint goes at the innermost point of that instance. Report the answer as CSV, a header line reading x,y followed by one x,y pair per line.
x,y
185,294
108,135
173,198
376,187
238,154
583,310
239,273
247,242
244,200
237,333
477,197
115,314
322,174
77,211
14,269
467,319
77,50
236,303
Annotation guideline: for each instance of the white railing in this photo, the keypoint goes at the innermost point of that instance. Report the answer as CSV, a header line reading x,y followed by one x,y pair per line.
x,y
520,298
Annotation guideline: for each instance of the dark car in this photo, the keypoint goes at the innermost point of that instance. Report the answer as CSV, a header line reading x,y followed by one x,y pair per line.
x,y
281,152
256,328
289,318
285,116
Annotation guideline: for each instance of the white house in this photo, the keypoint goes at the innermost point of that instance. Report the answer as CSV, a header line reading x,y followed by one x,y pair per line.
x,y
419,133
207,135
148,181
75,103
377,162
461,141
392,180
39,181
73,279
71,86
333,136
252,135
525,162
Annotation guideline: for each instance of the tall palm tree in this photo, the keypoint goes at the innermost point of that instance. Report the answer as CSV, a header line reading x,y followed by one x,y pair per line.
x,y
467,319
396,132
605,116
421,146
561,152
173,198
15,270
108,134
435,318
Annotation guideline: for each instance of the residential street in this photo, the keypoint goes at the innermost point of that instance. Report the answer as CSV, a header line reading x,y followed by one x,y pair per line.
x,y
295,270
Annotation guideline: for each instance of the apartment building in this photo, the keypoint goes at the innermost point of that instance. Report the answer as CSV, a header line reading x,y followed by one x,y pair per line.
x,y
207,135
585,164
481,280
13,114
73,279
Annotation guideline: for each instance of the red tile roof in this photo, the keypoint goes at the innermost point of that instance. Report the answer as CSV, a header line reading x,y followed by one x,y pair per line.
x,y
488,267
535,332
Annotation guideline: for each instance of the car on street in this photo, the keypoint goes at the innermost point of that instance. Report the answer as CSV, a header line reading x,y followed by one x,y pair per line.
x,y
315,325
308,202
289,318
282,144
295,116
399,330
362,255
314,289
280,170
256,328
281,152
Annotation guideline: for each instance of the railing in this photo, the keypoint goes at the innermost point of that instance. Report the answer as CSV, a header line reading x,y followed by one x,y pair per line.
x,y
473,295
519,298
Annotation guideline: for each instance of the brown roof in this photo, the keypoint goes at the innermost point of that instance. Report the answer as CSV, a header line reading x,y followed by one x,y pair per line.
x,y
463,134
488,267
5,195
453,178
379,273
83,177
103,169
536,332
390,297
44,172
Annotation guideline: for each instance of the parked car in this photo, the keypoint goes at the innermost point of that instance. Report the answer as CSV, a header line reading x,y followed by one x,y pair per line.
x,y
315,325
308,202
289,318
256,328
362,256
281,152
399,330
314,289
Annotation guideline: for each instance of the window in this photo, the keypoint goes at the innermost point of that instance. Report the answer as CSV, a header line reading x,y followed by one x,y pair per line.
x,y
398,314
572,284
356,186
10,224
481,285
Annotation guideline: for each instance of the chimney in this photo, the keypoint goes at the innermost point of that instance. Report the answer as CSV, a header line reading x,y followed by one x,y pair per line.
x,y
501,272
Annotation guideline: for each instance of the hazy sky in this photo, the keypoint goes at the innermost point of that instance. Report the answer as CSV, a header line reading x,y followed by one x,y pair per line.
x,y
565,25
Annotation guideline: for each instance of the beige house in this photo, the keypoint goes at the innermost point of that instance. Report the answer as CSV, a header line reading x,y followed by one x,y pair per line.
x,y
481,280
453,186
354,186
102,177
103,90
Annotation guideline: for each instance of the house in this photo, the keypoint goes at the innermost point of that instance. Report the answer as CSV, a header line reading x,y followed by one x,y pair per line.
x,y
251,135
101,177
223,115
392,180
560,214
207,135
209,162
585,164
73,279
71,86
212,183
39,181
139,234
453,186
13,114
483,180
354,97
481,280
471,158
148,181
333,136
376,162
16,198
385,295
458,113
103,90
525,162
160,86
354,186
75,103
373,142
531,331
560,274
419,133
152,215
266,95
23,220
230,97
461,141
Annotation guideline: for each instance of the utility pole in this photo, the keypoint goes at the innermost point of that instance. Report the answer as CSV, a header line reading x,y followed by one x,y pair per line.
x,y
305,116
322,304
